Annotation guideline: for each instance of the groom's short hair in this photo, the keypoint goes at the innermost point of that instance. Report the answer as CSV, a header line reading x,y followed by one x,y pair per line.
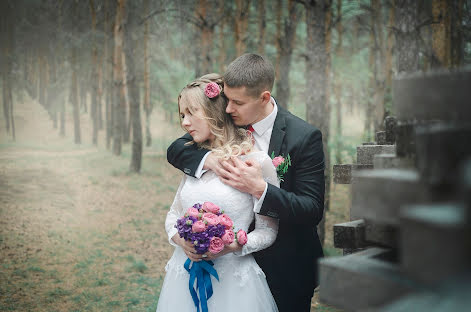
x,y
252,71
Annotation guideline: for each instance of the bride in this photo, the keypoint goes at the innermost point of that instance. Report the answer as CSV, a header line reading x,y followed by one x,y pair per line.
x,y
242,284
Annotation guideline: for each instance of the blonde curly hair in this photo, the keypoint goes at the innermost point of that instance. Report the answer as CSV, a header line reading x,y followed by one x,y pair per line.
x,y
229,140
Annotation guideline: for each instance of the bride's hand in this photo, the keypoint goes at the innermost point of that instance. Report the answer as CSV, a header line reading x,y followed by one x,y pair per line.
x,y
187,247
234,247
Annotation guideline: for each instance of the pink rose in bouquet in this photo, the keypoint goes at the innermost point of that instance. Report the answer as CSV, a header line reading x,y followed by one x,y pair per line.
x,y
210,218
192,211
210,207
226,221
216,245
242,237
228,237
198,226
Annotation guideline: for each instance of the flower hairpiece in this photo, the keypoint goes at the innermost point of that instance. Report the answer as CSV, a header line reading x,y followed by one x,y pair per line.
x,y
212,90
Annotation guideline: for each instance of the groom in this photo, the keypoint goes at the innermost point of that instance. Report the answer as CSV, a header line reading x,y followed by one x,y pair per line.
x,y
290,264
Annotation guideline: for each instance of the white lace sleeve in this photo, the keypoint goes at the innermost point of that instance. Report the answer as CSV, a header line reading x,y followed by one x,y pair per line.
x,y
266,228
175,212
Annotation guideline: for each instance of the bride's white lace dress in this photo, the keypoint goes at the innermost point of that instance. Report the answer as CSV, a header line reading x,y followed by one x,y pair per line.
x,y
242,285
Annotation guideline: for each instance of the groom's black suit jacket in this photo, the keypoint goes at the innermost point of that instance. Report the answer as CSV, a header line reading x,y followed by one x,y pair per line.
x,y
290,264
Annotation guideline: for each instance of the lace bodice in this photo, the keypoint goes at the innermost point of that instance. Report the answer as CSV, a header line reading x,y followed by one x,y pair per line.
x,y
237,205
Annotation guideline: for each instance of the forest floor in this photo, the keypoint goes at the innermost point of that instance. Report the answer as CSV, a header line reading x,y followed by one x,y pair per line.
x,y
78,232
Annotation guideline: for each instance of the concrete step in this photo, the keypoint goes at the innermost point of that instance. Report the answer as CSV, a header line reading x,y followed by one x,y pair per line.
x,y
381,234
435,241
377,195
441,150
365,153
350,235
388,161
451,296
440,96
363,280
343,173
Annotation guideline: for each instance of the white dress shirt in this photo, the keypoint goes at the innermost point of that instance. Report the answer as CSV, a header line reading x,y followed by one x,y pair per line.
x,y
262,134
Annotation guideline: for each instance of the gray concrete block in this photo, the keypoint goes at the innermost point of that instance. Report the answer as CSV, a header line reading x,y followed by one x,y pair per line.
x,y
454,296
388,161
365,153
441,150
380,137
362,280
390,124
405,140
442,96
434,242
381,234
377,195
350,235
343,173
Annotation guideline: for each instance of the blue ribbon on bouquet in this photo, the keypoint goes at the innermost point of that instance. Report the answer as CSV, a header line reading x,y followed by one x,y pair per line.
x,y
201,271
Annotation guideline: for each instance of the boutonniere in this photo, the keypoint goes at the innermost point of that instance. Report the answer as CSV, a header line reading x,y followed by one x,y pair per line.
x,y
281,164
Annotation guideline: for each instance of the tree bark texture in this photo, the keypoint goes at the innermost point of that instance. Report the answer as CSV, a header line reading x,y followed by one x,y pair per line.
x,y
338,87
119,100
407,36
74,97
94,80
262,25
130,51
241,22
285,51
147,103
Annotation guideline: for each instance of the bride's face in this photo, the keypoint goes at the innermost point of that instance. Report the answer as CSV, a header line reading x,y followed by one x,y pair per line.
x,y
194,123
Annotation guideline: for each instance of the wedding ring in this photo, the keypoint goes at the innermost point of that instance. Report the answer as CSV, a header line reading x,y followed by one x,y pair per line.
x,y
204,256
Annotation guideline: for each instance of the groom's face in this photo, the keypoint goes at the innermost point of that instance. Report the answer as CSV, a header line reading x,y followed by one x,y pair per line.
x,y
244,109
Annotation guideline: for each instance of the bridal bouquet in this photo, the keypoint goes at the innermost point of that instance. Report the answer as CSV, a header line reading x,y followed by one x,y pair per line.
x,y
208,228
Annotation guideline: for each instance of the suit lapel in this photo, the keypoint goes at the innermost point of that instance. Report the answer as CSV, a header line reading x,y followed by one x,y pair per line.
x,y
278,133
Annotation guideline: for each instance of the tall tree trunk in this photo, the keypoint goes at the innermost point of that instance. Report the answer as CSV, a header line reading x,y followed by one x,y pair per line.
x,y
390,46
240,25
317,111
441,34
262,25
457,44
108,73
338,87
6,37
94,80
369,111
279,21
75,97
207,34
147,104
222,42
407,37
119,100
134,99
285,51
379,74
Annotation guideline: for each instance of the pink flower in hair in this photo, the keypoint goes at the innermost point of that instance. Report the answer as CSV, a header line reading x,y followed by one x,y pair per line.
x,y
212,90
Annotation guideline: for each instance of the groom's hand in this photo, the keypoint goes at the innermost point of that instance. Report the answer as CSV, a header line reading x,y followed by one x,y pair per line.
x,y
245,176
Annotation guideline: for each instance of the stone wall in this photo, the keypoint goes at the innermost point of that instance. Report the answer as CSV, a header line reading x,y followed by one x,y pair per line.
x,y
408,243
